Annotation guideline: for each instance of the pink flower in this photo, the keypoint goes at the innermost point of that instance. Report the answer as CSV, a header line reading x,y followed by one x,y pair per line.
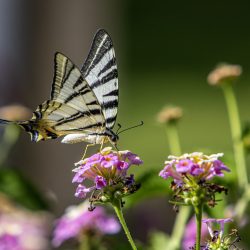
x,y
78,220
219,239
21,229
211,221
10,241
184,166
197,166
105,169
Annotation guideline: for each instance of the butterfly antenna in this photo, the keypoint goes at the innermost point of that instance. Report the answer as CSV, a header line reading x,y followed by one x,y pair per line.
x,y
119,127
138,125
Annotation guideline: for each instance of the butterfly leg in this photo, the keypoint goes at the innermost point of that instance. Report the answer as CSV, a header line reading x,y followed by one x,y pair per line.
x,y
86,149
101,146
115,145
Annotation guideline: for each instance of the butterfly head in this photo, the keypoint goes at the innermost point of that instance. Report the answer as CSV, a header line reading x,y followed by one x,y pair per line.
x,y
113,137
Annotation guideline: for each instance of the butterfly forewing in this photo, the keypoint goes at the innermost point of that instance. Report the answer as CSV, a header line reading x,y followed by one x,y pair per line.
x,y
100,72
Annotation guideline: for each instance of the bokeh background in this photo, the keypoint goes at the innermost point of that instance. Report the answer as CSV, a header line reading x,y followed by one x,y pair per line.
x,y
164,50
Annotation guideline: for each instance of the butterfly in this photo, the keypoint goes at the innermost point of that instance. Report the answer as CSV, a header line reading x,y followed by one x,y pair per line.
x,y
83,103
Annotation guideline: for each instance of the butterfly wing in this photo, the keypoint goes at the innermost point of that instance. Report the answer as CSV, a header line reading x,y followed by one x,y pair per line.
x,y
100,72
73,107
83,101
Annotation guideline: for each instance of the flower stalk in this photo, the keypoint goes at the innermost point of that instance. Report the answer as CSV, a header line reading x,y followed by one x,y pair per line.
x,y
84,243
116,203
198,216
236,134
173,138
179,227
183,214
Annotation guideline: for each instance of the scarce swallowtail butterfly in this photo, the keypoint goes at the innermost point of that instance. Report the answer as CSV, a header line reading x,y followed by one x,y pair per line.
x,y
83,103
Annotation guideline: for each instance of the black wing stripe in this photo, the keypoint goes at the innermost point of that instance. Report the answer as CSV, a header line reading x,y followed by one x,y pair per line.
x,y
112,93
110,76
110,104
66,77
45,106
110,120
54,80
78,82
98,124
78,115
95,102
107,66
84,90
96,84
58,83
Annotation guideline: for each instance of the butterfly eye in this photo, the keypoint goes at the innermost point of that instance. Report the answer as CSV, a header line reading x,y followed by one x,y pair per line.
x,y
115,138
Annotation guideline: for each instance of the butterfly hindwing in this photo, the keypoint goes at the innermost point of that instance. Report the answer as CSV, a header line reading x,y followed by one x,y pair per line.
x,y
74,106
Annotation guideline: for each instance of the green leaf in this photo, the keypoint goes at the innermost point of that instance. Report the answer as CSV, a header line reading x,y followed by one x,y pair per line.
x,y
151,185
158,241
19,189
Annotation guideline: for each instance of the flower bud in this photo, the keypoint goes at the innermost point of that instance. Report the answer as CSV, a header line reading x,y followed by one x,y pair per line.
x,y
104,199
169,114
224,73
15,112
195,201
118,195
187,201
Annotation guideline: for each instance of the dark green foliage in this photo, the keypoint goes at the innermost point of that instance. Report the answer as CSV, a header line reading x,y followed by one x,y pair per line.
x,y
151,185
20,190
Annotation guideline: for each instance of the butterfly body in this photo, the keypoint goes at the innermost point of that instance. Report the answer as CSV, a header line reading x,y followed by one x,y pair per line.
x,y
83,103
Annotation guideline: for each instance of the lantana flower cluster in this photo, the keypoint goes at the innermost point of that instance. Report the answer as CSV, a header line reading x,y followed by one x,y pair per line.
x,y
191,174
24,230
108,172
195,165
78,221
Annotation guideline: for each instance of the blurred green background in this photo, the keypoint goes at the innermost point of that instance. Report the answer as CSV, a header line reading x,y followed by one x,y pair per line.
x,y
164,49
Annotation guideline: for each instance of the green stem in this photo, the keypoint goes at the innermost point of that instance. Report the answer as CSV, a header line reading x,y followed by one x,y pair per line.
x,y
183,214
242,203
117,206
173,138
179,227
10,137
84,243
235,125
198,216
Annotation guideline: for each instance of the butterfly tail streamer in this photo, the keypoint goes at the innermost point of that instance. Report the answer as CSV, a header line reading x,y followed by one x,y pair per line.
x,y
25,125
6,122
